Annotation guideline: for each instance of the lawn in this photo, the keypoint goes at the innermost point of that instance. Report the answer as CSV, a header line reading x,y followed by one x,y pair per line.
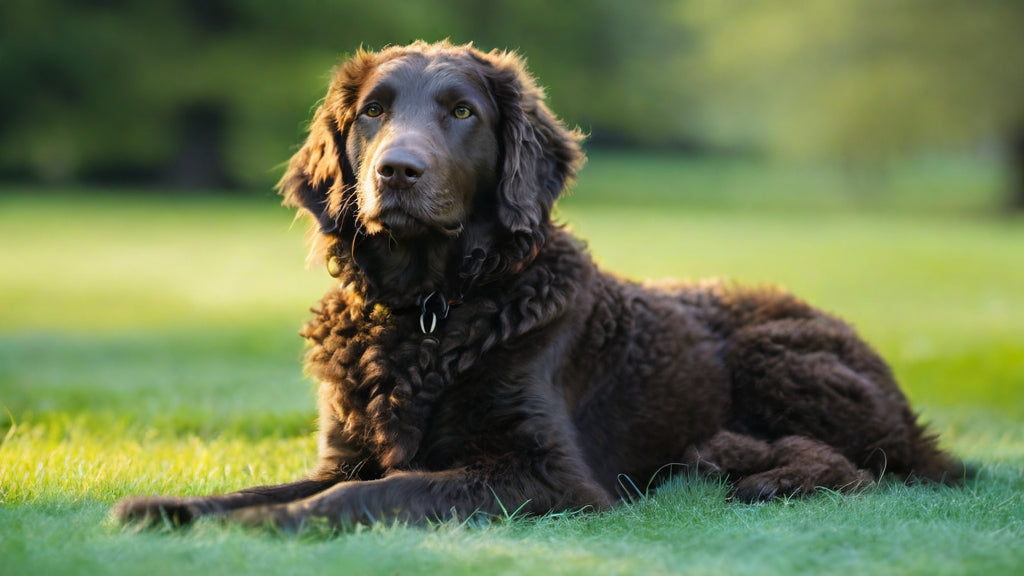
x,y
148,344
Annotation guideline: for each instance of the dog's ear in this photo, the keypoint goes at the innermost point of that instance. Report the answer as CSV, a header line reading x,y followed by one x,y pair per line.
x,y
540,155
317,169
319,175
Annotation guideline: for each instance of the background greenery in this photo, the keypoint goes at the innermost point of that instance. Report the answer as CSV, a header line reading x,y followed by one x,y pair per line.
x,y
205,94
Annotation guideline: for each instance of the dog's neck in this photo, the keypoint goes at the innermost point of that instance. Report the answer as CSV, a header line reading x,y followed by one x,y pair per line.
x,y
402,274
398,273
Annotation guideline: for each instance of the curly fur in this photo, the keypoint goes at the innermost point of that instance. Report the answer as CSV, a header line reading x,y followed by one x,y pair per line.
x,y
545,379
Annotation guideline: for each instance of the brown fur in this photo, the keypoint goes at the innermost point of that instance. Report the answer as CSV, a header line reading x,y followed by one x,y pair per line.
x,y
544,379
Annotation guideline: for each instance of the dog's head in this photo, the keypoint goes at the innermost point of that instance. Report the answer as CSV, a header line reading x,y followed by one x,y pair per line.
x,y
431,151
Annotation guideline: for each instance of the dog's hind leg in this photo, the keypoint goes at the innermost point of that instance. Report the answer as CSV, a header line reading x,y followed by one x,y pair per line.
x,y
814,378
800,466
760,470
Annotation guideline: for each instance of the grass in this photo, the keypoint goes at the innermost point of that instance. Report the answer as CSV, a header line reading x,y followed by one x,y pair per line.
x,y
148,346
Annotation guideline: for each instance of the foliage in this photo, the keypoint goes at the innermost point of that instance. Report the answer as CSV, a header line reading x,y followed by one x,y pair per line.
x,y
216,93
860,81
127,90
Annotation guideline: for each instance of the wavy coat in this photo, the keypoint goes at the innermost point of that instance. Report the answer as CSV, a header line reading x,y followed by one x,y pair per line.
x,y
473,358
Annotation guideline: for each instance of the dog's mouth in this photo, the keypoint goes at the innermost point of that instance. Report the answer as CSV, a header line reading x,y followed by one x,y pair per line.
x,y
400,224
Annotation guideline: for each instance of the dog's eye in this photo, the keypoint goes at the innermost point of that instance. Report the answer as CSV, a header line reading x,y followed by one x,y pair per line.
x,y
462,112
373,110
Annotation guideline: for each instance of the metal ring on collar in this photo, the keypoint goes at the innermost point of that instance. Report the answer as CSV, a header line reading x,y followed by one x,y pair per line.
x,y
433,315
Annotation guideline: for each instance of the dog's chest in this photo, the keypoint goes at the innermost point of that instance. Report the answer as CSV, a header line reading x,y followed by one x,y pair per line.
x,y
381,375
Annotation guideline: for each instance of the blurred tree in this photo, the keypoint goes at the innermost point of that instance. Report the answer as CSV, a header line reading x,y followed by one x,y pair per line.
x,y
216,93
190,93
864,81
607,63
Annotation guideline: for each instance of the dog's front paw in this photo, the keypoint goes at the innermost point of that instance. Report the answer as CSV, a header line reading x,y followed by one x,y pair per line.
x,y
157,511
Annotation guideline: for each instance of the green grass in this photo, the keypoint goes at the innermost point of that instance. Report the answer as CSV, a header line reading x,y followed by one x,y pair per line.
x,y
148,345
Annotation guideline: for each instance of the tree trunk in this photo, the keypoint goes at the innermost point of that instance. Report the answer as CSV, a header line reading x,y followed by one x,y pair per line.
x,y
1015,158
200,162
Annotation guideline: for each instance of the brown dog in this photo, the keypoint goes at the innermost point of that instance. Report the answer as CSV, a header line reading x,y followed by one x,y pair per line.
x,y
473,358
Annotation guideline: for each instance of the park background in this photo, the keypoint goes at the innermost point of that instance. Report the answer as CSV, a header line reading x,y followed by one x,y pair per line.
x,y
867,155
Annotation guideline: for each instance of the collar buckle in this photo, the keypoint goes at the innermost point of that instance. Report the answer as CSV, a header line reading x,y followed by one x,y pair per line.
x,y
435,306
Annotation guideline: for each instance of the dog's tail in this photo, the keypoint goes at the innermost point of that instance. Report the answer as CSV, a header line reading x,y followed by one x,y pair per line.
x,y
930,463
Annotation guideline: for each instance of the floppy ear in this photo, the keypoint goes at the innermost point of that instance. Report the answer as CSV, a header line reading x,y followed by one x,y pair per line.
x,y
540,154
319,175
315,170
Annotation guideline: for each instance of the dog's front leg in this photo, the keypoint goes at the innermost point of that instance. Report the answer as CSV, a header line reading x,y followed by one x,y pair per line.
x,y
421,497
153,510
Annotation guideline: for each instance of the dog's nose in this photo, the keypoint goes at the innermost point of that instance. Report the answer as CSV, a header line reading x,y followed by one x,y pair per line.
x,y
400,168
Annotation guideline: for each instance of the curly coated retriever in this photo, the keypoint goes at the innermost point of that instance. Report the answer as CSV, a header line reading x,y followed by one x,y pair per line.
x,y
472,357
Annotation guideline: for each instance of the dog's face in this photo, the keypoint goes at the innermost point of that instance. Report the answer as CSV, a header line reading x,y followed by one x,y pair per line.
x,y
424,141
426,157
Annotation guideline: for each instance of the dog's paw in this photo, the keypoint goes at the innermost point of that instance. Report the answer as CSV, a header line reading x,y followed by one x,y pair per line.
x,y
785,482
156,511
764,486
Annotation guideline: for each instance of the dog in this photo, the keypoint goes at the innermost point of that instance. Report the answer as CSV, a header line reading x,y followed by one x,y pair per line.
x,y
473,359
